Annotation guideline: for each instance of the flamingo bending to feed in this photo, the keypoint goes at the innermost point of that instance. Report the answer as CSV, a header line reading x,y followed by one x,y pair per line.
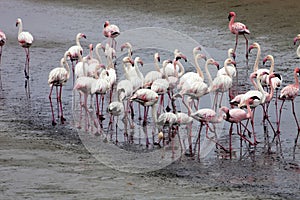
x,y
2,42
25,40
58,77
205,116
290,92
146,97
236,116
238,28
111,31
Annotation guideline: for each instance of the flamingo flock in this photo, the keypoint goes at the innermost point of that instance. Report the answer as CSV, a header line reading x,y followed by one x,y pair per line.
x,y
93,77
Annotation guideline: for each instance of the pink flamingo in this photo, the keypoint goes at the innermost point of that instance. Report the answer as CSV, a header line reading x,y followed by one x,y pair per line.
x,y
236,116
290,92
58,77
238,28
111,31
25,40
2,42
205,116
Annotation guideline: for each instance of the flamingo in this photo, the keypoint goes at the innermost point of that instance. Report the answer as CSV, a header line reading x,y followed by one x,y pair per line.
x,y
290,92
258,97
111,31
192,76
127,88
2,42
231,67
161,85
90,58
115,109
153,75
172,69
238,28
198,89
255,66
128,46
146,97
76,50
222,83
205,116
58,77
236,116
110,53
25,40
295,42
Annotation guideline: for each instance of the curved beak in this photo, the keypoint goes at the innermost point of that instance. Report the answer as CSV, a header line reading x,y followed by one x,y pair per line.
x,y
250,48
264,61
295,40
217,64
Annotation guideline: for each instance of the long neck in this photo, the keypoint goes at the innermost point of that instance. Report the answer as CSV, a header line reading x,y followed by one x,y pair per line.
x,y
260,88
298,51
253,82
20,27
77,40
188,107
226,68
83,64
181,72
296,79
255,67
156,65
198,69
272,65
98,46
208,75
231,22
137,70
66,63
249,113
270,96
126,71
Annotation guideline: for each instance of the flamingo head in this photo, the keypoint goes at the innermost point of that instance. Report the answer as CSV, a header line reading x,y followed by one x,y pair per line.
x,y
230,15
197,48
106,23
83,36
268,57
139,60
18,21
91,47
296,39
253,75
128,60
254,45
297,70
231,61
201,56
126,45
216,64
157,57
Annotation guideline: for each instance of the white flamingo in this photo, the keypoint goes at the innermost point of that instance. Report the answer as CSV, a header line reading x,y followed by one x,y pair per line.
x,y
2,42
153,75
25,40
58,77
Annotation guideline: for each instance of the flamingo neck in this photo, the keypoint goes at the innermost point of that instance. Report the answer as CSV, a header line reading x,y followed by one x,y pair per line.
x,y
65,63
231,22
249,113
187,106
260,88
77,40
156,65
226,68
98,46
296,79
208,75
20,27
137,70
255,67
126,71
181,69
272,65
198,69
298,51
271,92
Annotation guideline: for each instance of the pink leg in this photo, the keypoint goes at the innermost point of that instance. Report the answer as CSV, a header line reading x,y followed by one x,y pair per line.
x,y
61,108
51,106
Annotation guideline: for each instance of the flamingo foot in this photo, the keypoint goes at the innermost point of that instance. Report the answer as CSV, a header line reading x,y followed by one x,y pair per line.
x,y
53,123
144,123
62,119
168,109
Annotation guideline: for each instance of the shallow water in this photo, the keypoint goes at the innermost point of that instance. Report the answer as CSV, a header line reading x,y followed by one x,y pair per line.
x,y
41,161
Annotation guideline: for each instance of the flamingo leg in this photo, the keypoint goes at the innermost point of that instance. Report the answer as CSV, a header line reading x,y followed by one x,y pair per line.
x,y
236,42
246,46
279,119
26,68
230,140
198,139
51,106
57,101
61,108
296,139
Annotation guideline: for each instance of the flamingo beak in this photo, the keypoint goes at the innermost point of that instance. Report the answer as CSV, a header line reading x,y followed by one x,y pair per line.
x,y
233,55
295,40
217,64
250,48
264,61
233,62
